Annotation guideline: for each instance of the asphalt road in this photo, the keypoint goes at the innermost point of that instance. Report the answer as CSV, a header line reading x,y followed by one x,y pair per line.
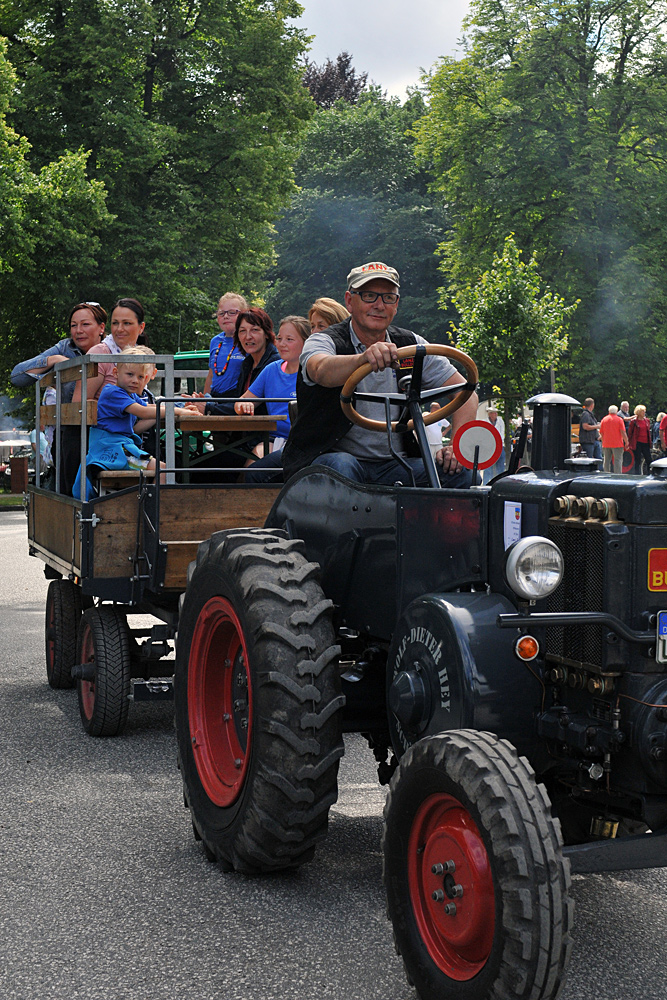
x,y
104,894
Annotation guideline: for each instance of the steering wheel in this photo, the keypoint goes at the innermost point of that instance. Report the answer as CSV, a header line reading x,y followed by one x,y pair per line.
x,y
348,394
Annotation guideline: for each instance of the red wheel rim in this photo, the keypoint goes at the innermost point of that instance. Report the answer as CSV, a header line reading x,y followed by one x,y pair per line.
x,y
220,702
87,688
458,941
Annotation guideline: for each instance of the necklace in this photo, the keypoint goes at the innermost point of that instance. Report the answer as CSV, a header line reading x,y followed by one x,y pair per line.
x,y
215,359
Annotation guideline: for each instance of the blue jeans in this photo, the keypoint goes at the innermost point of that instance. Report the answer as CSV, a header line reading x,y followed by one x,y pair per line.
x,y
592,448
266,470
388,472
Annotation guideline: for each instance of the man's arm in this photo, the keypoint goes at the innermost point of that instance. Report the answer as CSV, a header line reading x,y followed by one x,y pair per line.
x,y
333,370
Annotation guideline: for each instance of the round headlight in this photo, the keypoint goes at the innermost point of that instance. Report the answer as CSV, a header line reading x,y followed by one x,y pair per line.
x,y
534,567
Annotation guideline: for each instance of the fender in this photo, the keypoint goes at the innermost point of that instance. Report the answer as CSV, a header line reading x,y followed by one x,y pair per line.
x,y
451,667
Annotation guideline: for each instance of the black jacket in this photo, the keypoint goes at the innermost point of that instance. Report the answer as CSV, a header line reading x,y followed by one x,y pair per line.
x,y
219,408
320,423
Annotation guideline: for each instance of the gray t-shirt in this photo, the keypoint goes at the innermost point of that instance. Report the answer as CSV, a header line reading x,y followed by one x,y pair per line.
x,y
358,441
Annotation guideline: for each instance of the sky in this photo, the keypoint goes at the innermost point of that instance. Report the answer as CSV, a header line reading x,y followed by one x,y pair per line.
x,y
391,40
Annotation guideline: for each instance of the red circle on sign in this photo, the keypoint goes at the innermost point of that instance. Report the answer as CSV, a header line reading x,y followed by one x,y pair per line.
x,y
475,433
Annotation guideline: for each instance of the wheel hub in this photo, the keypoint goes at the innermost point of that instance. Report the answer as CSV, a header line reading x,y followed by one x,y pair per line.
x,y
219,701
451,887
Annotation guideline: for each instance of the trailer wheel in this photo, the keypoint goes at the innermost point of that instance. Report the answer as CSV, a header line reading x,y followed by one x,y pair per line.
x,y
477,888
63,613
104,645
257,699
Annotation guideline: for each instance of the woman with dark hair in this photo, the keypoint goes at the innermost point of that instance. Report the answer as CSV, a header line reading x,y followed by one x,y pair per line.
x,y
254,337
87,322
127,330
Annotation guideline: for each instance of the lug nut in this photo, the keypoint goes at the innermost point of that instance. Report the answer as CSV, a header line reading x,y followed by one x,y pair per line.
x,y
438,869
457,891
438,896
450,909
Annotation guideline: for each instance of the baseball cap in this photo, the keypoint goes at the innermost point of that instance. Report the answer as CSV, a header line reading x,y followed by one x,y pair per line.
x,y
359,276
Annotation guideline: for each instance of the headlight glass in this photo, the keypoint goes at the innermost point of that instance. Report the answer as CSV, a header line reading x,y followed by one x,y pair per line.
x,y
534,567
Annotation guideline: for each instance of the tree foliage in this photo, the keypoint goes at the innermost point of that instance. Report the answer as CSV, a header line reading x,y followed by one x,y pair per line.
x,y
513,327
191,114
50,227
363,197
334,81
554,126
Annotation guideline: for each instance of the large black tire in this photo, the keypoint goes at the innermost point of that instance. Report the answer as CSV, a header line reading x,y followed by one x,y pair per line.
x,y
258,701
104,642
63,614
497,924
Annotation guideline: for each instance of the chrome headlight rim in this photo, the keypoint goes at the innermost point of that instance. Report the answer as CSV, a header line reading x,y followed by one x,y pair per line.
x,y
517,552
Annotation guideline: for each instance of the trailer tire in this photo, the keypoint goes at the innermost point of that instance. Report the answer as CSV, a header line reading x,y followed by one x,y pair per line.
x,y
498,923
63,614
258,701
104,641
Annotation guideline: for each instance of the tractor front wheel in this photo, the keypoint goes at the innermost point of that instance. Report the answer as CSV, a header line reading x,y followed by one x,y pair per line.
x,y
477,888
258,701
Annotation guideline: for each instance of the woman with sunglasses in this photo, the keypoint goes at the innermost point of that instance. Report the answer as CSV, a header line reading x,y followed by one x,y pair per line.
x,y
225,358
87,321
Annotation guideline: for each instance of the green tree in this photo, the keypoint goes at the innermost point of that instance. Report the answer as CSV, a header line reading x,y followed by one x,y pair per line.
x,y
513,327
554,126
362,197
50,226
191,112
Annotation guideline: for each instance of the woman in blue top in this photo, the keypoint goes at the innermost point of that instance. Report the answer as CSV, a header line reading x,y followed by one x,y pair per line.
x,y
277,379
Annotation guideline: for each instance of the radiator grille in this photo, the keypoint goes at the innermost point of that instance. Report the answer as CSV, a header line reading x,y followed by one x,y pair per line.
x,y
582,589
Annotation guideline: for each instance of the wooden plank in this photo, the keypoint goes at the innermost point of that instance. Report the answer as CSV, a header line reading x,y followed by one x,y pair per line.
x,y
68,375
55,527
179,557
190,421
198,512
114,536
70,414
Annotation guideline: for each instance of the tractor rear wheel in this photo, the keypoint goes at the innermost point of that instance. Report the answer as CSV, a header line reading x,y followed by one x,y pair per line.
x,y
63,614
258,701
104,648
477,888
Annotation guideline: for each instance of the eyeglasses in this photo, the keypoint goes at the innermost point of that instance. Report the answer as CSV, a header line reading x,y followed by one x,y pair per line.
x,y
91,303
228,312
389,298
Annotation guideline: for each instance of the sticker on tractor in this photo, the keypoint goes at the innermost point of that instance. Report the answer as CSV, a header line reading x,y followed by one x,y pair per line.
x,y
406,363
657,569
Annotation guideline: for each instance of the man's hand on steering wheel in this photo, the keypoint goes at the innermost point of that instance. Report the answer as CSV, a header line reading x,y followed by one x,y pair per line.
x,y
379,356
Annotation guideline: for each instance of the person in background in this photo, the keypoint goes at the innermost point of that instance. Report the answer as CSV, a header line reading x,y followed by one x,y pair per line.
x,y
614,440
324,313
588,430
624,413
225,358
655,433
436,431
87,322
639,439
494,418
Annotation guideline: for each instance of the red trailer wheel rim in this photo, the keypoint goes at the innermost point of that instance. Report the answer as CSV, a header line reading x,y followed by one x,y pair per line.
x,y
220,702
87,688
459,942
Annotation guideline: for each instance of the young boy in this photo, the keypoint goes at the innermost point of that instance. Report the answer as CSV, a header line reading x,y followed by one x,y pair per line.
x,y
122,414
